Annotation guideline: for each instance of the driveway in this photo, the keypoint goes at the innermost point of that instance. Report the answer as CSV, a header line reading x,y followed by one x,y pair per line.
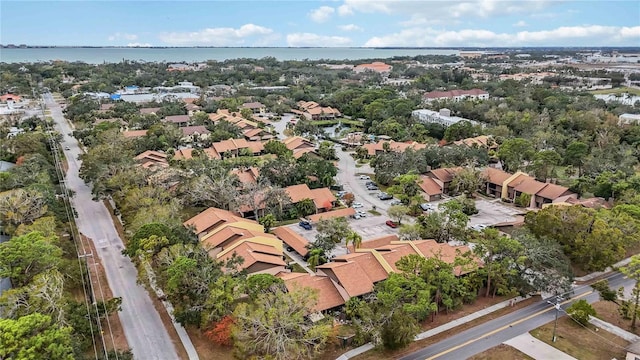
x,y
281,125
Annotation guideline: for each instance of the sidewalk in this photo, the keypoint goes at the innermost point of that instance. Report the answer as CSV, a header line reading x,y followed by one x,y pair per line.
x,y
448,326
630,337
537,349
597,274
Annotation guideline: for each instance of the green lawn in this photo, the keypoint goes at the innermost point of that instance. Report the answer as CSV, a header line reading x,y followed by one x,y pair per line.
x,y
620,90
324,123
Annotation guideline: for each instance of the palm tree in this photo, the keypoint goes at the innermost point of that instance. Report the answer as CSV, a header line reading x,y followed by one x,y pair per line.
x,y
316,257
353,238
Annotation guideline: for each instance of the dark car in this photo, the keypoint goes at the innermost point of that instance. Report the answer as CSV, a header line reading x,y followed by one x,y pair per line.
x,y
385,196
370,183
305,225
392,224
372,187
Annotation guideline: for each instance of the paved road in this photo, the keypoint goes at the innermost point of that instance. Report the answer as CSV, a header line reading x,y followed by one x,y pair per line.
x,y
143,328
485,336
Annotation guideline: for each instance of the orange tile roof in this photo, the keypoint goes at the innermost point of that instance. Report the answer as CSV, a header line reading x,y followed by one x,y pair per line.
x,y
350,276
328,295
346,212
152,155
253,253
149,110
296,142
393,253
552,191
368,262
298,192
376,242
293,239
226,234
211,217
529,186
176,119
134,133
248,175
445,174
495,176
256,146
323,198
429,186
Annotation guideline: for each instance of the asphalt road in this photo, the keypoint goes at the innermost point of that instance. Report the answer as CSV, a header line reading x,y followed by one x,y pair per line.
x,y
143,328
485,336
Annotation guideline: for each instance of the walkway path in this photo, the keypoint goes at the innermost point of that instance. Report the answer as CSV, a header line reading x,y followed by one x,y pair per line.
x,y
537,349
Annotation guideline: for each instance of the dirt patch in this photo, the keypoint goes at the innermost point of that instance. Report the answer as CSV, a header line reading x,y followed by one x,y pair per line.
x,y
584,343
608,311
501,352
444,318
112,327
206,348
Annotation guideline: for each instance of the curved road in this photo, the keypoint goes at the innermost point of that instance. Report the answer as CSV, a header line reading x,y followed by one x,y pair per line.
x,y
493,333
143,328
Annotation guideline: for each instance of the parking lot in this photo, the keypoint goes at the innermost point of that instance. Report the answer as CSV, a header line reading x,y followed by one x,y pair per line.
x,y
369,227
493,212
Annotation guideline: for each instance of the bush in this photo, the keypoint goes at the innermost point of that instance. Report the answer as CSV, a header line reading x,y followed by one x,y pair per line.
x,y
580,311
468,206
523,200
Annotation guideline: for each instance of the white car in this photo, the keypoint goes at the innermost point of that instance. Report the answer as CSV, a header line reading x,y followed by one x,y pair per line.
x,y
365,177
479,227
361,213
356,205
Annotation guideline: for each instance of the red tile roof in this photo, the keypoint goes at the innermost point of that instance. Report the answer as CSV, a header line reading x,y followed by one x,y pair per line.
x,y
495,176
328,295
350,276
293,239
429,186
346,212
552,191
393,253
176,119
445,174
368,262
253,253
212,217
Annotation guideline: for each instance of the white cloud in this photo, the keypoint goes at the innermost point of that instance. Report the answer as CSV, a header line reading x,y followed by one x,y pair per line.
x,y
122,36
350,27
591,35
344,10
432,12
137,44
521,23
322,14
220,36
315,40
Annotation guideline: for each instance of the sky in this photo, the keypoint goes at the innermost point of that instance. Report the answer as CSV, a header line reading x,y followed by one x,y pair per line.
x,y
331,23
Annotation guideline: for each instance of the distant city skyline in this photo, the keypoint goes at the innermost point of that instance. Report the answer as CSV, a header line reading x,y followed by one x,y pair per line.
x,y
341,23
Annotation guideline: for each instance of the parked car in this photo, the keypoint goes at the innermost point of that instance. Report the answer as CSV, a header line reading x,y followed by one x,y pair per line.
x,y
370,183
427,207
305,225
365,177
67,147
391,224
356,216
395,202
361,213
356,205
385,196
372,188
341,193
479,227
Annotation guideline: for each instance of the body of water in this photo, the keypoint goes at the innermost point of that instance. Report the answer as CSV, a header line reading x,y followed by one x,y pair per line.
x,y
116,55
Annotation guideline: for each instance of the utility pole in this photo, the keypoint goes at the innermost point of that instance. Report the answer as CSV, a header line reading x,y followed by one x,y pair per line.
x,y
555,324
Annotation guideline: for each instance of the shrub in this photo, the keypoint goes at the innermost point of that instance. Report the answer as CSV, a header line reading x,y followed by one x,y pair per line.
x,y
580,311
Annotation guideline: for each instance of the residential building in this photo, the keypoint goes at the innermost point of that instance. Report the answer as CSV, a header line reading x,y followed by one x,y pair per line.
x,y
180,120
498,183
323,198
292,239
311,110
247,175
255,107
442,117
134,133
482,141
299,146
152,110
193,133
10,97
345,213
432,190
356,273
456,95
236,147
443,177
152,160
380,147
224,235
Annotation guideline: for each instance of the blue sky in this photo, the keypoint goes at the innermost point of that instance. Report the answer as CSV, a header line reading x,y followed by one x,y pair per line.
x,y
439,23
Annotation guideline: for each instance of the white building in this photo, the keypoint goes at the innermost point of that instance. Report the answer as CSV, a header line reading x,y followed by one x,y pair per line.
x,y
628,119
442,117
